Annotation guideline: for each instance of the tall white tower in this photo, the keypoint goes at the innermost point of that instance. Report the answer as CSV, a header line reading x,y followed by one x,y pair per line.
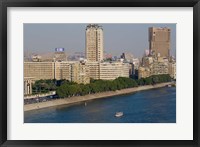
x,y
94,42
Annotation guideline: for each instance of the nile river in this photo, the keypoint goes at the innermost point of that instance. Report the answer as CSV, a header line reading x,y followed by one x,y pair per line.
x,y
150,106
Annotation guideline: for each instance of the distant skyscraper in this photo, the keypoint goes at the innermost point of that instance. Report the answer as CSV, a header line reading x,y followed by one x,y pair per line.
x,y
94,42
159,41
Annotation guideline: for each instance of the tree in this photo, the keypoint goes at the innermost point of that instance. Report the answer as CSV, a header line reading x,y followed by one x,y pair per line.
x,y
140,82
68,89
85,89
148,81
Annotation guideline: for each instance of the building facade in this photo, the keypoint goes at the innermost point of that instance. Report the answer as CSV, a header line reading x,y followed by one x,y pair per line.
x,y
94,69
172,70
63,70
143,72
39,70
28,81
94,43
72,71
113,70
80,72
159,41
159,66
153,66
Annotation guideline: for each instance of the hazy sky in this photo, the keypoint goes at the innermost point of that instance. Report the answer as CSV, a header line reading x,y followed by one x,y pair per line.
x,y
118,38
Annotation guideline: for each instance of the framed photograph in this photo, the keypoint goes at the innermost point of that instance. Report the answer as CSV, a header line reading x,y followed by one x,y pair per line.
x,y
108,73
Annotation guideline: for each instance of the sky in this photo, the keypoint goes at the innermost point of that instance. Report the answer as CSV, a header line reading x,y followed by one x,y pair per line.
x,y
40,38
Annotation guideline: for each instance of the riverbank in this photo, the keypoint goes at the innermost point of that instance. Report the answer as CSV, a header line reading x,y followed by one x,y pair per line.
x,y
77,99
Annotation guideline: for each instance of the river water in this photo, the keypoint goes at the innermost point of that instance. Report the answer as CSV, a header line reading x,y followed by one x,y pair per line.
x,y
150,106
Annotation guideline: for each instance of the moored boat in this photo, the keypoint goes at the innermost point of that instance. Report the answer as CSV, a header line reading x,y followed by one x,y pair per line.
x,y
119,114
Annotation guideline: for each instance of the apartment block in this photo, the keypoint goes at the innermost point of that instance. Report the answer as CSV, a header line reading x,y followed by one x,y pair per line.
x,y
73,71
63,70
94,69
39,70
113,70
153,66
143,72
159,67
80,73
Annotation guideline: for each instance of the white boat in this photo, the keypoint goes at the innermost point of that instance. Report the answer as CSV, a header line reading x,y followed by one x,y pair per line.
x,y
169,85
119,114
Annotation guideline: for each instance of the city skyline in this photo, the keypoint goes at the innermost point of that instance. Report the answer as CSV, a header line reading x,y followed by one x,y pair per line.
x,y
118,38
58,80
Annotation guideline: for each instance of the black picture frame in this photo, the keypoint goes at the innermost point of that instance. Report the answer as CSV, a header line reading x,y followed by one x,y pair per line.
x,y
4,4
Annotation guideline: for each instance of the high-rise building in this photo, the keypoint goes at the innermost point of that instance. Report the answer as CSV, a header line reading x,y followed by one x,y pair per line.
x,y
159,41
94,42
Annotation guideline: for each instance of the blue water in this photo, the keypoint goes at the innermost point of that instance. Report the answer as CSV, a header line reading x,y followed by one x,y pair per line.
x,y
151,106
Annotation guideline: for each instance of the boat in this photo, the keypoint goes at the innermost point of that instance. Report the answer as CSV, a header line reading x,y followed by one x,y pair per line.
x,y
119,114
169,85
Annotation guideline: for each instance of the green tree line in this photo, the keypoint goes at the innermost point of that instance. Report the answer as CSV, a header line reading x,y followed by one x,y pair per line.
x,y
96,86
65,88
44,86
